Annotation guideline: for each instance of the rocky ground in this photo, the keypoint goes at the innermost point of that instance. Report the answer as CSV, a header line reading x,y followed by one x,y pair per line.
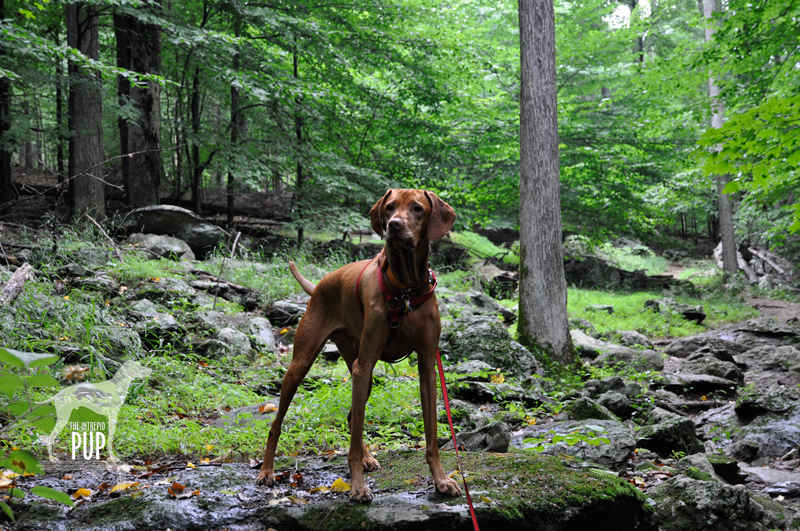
x,y
695,434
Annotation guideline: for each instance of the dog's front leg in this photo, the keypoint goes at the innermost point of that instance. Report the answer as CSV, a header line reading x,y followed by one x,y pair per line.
x,y
427,392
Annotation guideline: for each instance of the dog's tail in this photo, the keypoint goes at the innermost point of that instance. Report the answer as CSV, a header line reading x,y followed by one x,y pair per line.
x,y
307,286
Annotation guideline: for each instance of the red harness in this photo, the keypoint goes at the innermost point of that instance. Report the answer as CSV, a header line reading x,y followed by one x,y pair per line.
x,y
405,302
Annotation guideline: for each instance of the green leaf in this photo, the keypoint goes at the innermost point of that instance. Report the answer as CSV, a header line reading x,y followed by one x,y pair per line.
x,y
53,494
18,408
45,424
17,493
7,510
15,358
10,383
42,380
21,461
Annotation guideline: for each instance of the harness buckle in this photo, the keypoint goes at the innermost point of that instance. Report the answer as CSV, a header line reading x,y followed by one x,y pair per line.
x,y
406,304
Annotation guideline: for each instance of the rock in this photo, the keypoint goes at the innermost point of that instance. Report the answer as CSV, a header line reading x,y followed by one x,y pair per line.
x,y
613,455
285,313
238,341
641,360
175,221
471,367
160,326
667,433
165,290
90,257
214,349
100,282
600,308
496,282
726,468
685,504
690,313
585,408
682,348
143,309
256,327
597,387
769,327
330,352
493,437
478,303
486,339
73,270
556,491
159,246
481,392
765,474
460,411
713,367
512,418
121,341
769,359
767,396
766,282
609,354
632,338
695,383
617,403
784,488
697,466
583,325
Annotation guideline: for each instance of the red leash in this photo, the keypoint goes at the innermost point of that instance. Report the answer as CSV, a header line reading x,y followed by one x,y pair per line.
x,y
455,444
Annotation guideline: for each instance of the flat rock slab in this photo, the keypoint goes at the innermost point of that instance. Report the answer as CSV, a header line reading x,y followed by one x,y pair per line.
x,y
510,491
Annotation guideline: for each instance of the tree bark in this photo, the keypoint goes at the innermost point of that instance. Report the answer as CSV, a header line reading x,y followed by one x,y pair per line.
x,y
729,261
59,115
235,123
6,190
298,129
197,168
543,289
139,50
15,284
87,189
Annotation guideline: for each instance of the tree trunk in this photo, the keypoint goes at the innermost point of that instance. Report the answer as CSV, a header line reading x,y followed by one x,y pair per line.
x,y
298,129
85,116
729,261
543,289
235,121
59,115
6,190
139,50
197,169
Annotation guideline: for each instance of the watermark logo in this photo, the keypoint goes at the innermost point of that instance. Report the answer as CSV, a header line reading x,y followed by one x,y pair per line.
x,y
105,399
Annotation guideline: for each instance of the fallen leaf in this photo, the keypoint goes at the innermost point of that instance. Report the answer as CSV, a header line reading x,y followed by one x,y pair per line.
x,y
340,486
176,489
638,481
266,408
229,492
484,499
273,502
81,493
255,463
780,498
137,494
191,465
704,398
298,501
209,447
297,477
242,497
123,486
5,483
321,488
205,461
497,378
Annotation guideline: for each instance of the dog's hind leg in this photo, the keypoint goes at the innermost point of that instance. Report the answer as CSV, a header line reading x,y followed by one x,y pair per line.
x,y
309,339
349,352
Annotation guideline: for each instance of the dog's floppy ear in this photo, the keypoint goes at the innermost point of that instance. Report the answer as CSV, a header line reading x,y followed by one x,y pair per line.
x,y
376,214
442,217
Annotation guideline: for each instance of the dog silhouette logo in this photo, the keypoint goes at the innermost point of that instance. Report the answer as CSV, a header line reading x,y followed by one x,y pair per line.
x,y
104,398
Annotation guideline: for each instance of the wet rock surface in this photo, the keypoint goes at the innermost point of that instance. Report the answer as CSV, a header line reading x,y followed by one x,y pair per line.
x,y
507,489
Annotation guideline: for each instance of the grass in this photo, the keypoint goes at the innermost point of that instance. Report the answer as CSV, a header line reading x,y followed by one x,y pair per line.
x,y
629,313
633,259
481,247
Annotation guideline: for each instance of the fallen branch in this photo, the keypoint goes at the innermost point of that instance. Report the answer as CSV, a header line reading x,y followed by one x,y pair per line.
x,y
772,264
12,288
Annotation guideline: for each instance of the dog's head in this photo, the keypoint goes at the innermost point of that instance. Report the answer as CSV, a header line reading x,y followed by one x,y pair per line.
x,y
408,216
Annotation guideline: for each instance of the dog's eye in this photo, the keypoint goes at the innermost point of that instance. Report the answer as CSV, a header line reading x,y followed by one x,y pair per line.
x,y
389,207
418,209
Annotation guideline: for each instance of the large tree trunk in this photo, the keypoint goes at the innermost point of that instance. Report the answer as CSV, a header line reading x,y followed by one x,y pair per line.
x,y
139,50
85,116
59,115
729,260
6,191
235,123
542,287
298,130
197,168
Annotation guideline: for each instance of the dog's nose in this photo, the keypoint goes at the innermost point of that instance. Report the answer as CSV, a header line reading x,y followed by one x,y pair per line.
x,y
395,224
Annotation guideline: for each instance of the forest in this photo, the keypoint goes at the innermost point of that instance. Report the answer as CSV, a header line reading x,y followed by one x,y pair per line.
x,y
619,287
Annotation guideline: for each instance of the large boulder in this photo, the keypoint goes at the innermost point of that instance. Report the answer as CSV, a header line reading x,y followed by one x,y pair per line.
x,y
555,438
257,328
605,353
486,339
493,437
667,432
175,221
712,366
477,303
160,246
686,504
708,343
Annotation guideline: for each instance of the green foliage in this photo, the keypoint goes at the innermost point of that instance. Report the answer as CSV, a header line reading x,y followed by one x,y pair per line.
x,y
588,434
480,247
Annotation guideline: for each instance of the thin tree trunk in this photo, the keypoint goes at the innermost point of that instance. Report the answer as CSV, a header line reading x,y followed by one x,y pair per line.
x,y
729,261
543,289
235,120
197,170
298,129
139,50
59,115
86,120
6,190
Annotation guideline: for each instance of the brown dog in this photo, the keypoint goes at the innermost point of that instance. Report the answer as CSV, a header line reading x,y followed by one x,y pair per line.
x,y
360,328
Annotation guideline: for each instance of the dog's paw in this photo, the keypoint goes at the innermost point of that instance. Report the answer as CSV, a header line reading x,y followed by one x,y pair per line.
x,y
369,463
449,487
361,494
265,478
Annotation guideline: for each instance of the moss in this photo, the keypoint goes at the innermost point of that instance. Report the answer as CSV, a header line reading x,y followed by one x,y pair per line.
x,y
695,473
120,509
